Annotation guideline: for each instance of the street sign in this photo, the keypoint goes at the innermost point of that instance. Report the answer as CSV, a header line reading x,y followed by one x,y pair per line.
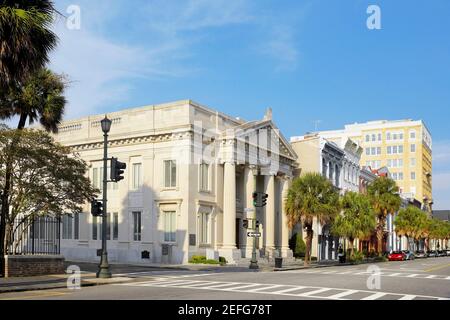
x,y
249,209
254,234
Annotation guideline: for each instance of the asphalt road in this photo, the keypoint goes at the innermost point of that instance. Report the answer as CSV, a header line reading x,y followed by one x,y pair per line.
x,y
421,279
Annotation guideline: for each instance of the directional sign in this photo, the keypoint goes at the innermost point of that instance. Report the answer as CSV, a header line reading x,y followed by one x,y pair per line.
x,y
249,210
254,234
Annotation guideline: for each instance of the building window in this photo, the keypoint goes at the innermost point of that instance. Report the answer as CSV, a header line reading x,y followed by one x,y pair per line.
x,y
170,173
67,221
378,150
379,137
413,148
76,226
137,227
413,162
367,151
389,150
388,136
137,176
367,138
394,149
400,136
400,149
412,135
203,227
400,176
115,226
96,228
204,177
169,226
374,137
373,151
413,175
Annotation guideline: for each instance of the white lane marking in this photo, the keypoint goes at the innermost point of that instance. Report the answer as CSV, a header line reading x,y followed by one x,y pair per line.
x,y
342,294
244,286
265,288
431,276
375,296
407,297
178,283
412,275
288,290
222,285
311,293
198,284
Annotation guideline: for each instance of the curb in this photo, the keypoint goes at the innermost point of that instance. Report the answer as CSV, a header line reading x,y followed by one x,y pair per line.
x,y
62,284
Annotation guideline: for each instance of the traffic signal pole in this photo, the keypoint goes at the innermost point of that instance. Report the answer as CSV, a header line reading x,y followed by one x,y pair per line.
x,y
254,261
104,271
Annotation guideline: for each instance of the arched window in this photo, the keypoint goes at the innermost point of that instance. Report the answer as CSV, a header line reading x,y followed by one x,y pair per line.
x,y
336,175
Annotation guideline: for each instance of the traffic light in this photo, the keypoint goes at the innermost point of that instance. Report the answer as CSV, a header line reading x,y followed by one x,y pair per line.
x,y
259,199
117,169
245,224
264,197
96,208
255,199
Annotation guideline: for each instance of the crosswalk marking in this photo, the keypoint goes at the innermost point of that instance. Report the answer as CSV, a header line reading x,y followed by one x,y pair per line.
x,y
288,290
280,289
311,293
343,294
265,288
242,287
412,275
431,277
374,296
394,274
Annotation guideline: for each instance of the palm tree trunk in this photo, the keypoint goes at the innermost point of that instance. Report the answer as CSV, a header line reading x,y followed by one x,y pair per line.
x,y
309,236
350,246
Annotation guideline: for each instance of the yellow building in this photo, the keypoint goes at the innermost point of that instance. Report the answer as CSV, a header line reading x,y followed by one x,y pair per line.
x,y
404,146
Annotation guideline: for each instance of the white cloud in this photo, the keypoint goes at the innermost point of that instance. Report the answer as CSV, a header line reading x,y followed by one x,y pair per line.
x,y
282,48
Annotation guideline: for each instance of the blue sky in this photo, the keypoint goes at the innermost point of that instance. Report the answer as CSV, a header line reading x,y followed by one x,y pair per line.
x,y
308,60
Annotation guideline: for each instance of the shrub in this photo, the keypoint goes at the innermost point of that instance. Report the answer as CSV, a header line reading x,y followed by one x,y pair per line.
x,y
222,261
211,261
357,257
197,259
297,245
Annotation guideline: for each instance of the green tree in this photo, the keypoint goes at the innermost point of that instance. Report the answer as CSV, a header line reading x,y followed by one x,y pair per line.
x,y
438,230
26,38
412,223
311,197
48,179
357,219
385,199
40,98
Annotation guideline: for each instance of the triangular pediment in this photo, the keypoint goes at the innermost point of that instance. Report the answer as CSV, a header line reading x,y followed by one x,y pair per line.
x,y
253,128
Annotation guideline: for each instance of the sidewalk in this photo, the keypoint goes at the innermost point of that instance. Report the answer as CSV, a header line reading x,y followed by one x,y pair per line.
x,y
17,284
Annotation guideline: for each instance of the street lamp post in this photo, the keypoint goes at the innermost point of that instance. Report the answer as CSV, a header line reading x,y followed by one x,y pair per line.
x,y
103,269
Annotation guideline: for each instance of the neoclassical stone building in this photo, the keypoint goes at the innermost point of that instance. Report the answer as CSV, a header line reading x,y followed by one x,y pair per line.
x,y
190,175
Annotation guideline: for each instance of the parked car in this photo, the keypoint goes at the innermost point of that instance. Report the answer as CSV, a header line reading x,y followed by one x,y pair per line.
x,y
409,255
441,253
420,254
432,253
396,256
448,252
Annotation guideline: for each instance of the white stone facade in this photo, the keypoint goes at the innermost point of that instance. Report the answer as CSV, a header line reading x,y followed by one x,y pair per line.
x,y
191,172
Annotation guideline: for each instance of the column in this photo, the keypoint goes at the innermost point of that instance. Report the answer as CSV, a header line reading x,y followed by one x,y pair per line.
x,y
229,206
228,249
269,218
249,187
284,229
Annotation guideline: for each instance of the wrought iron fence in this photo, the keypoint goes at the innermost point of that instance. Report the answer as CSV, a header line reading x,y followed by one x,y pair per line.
x,y
35,235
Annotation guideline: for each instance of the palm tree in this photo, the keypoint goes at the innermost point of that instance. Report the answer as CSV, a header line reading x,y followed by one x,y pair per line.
x,y
412,223
25,38
40,98
385,198
357,219
310,197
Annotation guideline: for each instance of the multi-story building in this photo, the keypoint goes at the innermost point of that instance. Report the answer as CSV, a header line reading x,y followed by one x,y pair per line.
x,y
190,175
318,155
403,146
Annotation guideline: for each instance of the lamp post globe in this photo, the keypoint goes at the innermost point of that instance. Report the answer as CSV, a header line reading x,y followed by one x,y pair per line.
x,y
106,124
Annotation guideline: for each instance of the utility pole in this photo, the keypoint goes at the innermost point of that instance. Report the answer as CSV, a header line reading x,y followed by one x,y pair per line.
x,y
254,261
